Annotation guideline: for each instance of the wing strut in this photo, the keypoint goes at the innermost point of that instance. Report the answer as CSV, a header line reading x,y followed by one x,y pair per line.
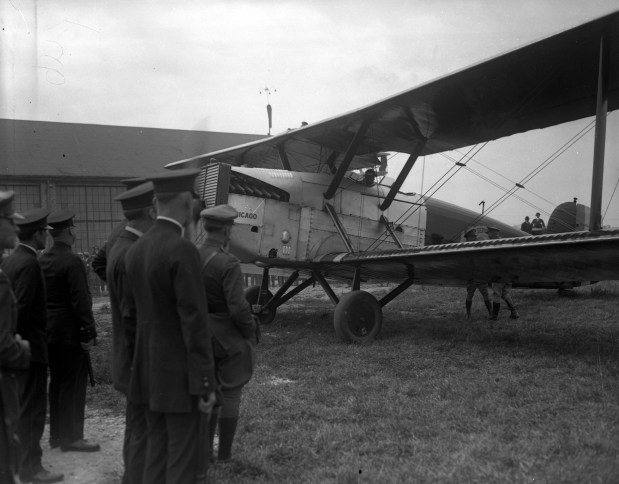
x,y
600,134
339,227
389,227
348,157
283,156
401,177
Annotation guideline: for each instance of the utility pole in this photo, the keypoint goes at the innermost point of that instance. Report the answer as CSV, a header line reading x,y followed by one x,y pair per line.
x,y
483,206
268,91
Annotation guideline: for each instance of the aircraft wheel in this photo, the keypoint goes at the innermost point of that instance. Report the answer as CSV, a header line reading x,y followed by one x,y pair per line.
x,y
251,294
357,317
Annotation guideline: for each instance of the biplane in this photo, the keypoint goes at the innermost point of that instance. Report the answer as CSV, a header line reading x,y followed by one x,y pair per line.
x,y
312,200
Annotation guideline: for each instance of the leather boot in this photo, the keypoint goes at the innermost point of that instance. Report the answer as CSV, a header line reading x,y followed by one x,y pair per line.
x,y
468,308
488,307
227,429
513,313
495,311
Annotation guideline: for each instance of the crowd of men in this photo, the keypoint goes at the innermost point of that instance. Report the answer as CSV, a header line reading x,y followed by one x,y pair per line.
x,y
183,336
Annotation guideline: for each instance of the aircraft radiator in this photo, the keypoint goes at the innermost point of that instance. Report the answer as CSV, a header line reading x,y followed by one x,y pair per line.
x,y
212,184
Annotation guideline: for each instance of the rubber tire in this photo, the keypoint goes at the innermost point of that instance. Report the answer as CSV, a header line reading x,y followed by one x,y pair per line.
x,y
358,317
251,295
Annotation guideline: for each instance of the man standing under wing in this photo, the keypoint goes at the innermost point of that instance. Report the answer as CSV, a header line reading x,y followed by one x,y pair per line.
x,y
172,375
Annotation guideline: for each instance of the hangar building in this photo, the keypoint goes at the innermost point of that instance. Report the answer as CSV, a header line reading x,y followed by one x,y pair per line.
x,y
79,166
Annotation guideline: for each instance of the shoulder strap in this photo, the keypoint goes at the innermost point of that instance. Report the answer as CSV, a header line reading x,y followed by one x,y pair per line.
x,y
208,259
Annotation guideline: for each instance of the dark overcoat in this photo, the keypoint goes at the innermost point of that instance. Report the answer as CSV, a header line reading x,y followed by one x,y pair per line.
x,y
12,357
23,269
69,303
121,365
173,358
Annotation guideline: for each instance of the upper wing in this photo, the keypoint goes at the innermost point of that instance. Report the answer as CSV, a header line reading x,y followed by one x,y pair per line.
x,y
572,256
545,83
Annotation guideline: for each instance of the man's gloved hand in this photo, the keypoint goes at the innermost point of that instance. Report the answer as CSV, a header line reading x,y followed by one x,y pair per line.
x,y
207,403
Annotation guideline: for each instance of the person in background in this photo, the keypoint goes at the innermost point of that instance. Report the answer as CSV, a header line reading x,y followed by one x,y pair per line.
x,y
538,226
99,258
71,333
28,284
169,342
526,225
472,286
14,351
501,290
137,205
235,330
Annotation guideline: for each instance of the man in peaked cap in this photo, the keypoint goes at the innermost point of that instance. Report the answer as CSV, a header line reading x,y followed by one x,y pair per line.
x,y
472,285
14,351
71,333
99,261
172,375
235,330
8,214
28,284
137,205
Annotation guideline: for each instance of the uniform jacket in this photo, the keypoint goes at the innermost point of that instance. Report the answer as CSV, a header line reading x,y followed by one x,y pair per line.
x,y
28,284
69,303
121,365
173,355
99,261
12,355
229,312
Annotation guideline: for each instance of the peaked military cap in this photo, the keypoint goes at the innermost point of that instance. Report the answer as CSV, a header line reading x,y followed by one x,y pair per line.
x,y
132,182
6,205
174,181
61,219
219,215
34,218
137,197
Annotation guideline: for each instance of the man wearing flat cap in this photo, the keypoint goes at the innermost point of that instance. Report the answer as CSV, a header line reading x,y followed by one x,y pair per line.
x,y
235,330
137,205
71,332
14,351
99,261
28,284
172,375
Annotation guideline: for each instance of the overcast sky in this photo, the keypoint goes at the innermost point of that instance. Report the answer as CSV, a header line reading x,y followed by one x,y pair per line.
x,y
205,65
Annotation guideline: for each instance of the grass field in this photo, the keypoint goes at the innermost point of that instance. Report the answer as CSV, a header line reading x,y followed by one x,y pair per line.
x,y
436,398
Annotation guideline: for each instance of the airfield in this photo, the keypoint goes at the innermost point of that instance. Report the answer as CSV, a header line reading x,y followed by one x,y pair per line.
x,y
436,398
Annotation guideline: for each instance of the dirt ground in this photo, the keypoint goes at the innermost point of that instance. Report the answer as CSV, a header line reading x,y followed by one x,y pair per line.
x,y
103,467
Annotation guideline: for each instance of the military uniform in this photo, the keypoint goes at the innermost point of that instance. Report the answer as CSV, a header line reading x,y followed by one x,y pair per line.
x,y
99,261
170,343
28,284
134,448
14,356
69,323
232,324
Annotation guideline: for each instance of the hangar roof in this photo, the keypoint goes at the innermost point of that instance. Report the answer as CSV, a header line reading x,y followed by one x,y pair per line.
x,y
48,149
